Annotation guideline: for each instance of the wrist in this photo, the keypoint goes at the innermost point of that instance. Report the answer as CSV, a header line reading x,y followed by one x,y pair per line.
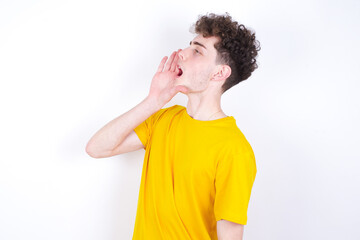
x,y
152,103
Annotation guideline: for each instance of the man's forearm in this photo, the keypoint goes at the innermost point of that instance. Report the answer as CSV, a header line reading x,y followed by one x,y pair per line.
x,y
114,132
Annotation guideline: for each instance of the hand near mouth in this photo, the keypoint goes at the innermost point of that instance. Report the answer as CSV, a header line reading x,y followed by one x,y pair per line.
x,y
163,87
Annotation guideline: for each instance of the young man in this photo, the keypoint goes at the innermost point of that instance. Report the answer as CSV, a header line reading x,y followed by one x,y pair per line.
x,y
198,169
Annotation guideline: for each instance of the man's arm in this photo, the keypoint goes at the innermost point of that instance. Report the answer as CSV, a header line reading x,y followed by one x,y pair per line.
x,y
105,141
227,230
109,140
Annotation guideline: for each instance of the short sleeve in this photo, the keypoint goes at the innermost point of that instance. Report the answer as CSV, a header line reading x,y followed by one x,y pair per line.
x,y
235,175
144,129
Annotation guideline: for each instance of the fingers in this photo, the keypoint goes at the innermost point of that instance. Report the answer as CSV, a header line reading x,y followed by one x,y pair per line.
x,y
162,63
168,64
174,63
171,63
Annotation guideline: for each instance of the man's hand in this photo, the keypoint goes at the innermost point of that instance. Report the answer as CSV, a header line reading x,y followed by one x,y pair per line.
x,y
163,87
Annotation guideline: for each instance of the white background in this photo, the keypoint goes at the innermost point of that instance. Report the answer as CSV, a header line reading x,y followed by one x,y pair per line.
x,y
69,67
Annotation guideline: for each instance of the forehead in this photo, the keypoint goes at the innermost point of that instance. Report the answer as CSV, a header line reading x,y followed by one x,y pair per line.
x,y
208,42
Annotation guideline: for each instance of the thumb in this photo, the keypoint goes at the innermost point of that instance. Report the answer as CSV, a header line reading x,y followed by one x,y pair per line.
x,y
182,88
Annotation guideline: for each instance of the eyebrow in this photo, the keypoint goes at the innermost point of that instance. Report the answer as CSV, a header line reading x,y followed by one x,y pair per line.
x,y
197,43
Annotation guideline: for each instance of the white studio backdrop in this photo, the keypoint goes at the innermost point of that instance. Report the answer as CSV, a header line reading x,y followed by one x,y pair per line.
x,y
69,67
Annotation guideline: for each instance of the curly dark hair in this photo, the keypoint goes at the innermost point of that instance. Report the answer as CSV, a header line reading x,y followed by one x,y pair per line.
x,y
237,47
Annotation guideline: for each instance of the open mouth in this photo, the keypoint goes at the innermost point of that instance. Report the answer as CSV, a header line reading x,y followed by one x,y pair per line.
x,y
180,72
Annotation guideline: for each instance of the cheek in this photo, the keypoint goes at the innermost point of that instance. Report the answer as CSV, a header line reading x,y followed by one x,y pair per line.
x,y
203,72
200,80
199,77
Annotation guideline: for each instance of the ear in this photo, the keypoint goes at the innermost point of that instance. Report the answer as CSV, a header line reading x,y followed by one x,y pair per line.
x,y
222,72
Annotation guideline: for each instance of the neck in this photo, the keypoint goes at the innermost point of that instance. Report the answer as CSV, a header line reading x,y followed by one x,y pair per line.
x,y
204,107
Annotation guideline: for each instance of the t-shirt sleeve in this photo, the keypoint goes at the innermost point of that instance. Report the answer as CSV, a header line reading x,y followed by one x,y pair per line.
x,y
144,129
235,175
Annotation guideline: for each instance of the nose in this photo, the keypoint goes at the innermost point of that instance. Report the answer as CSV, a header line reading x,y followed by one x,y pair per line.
x,y
181,54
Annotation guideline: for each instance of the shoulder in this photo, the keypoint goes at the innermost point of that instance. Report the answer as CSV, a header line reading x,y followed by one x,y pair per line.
x,y
238,152
238,143
171,110
174,108
167,112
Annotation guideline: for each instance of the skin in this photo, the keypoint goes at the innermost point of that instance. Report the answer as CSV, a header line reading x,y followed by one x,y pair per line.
x,y
201,81
227,230
203,78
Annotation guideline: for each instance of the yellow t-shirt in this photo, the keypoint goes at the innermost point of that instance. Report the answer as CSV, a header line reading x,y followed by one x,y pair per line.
x,y
194,173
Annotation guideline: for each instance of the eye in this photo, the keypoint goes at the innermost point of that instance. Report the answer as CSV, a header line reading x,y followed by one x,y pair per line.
x,y
197,51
